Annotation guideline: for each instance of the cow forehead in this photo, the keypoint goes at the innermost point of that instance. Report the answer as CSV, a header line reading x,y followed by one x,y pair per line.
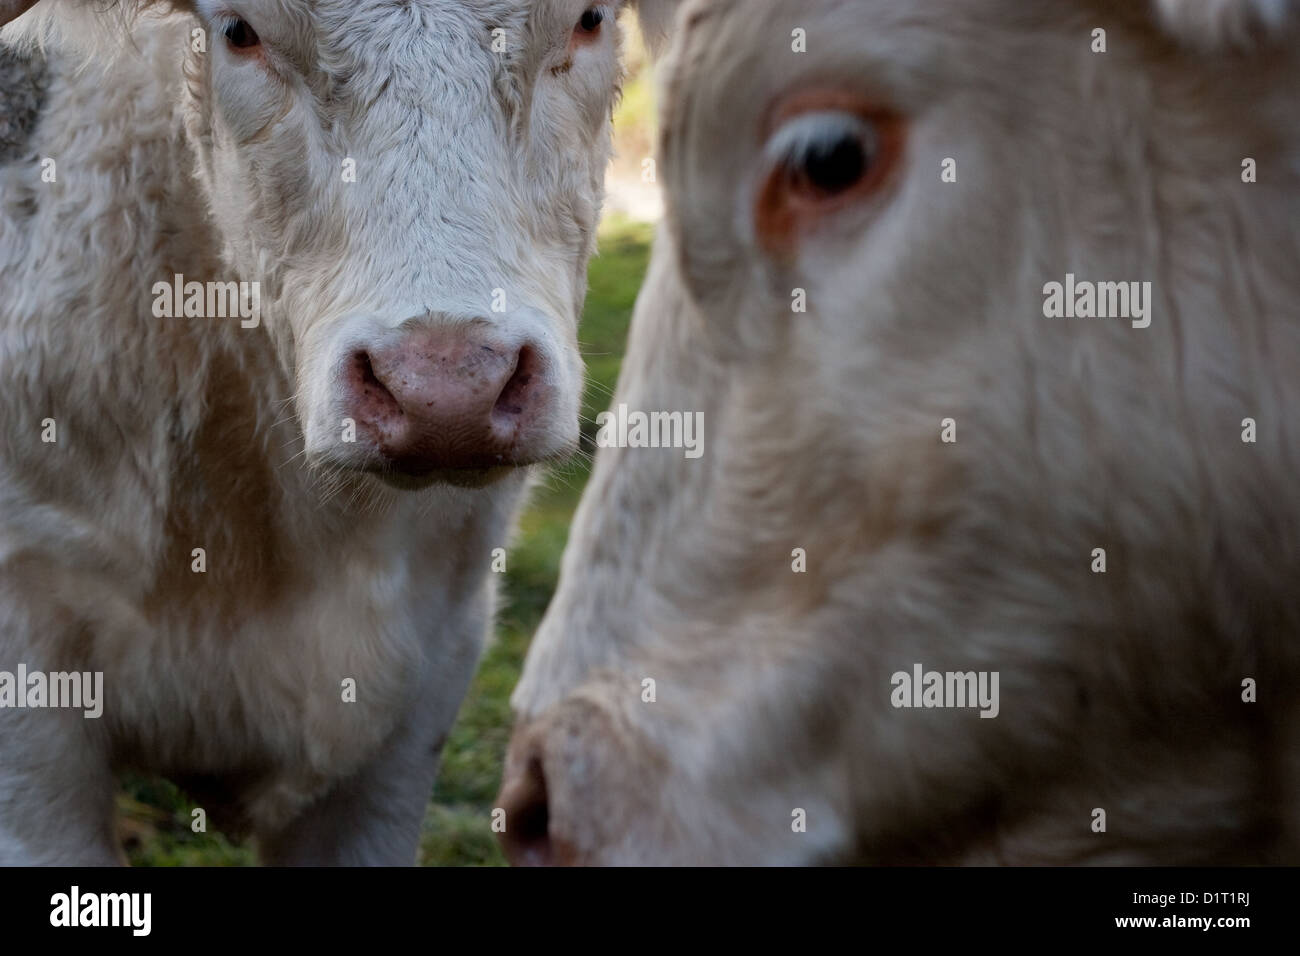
x,y
375,29
460,49
359,12
760,30
377,23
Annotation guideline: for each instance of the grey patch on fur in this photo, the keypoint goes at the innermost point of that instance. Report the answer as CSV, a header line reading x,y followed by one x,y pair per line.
x,y
24,79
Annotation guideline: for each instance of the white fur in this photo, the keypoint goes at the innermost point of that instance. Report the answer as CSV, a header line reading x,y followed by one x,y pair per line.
x,y
475,172
1120,691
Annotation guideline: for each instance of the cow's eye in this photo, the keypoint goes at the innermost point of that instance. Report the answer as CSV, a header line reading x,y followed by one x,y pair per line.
x,y
825,155
240,35
819,162
832,166
589,24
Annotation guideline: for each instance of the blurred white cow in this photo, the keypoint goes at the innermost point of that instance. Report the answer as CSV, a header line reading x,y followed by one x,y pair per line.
x,y
288,302
911,473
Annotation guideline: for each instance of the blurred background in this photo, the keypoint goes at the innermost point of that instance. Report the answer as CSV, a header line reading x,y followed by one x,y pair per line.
x,y
154,816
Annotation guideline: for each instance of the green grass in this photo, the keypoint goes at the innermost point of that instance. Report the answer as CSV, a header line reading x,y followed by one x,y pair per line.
x,y
156,824
457,827
155,816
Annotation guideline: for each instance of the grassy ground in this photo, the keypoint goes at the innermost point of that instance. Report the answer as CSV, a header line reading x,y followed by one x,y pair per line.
x,y
456,828
155,817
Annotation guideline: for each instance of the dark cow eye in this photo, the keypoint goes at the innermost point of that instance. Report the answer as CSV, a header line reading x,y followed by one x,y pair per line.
x,y
240,35
831,161
822,160
591,20
832,168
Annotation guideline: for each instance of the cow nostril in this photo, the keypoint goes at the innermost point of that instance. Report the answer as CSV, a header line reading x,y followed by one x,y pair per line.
x,y
372,399
527,836
515,397
442,404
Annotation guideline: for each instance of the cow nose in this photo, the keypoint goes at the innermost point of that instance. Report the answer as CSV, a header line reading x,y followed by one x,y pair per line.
x,y
447,398
526,839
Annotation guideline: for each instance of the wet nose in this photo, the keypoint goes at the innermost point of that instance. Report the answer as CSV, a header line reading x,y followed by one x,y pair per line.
x,y
447,398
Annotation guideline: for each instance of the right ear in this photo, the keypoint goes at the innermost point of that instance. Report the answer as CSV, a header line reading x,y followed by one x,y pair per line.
x,y
656,18
12,9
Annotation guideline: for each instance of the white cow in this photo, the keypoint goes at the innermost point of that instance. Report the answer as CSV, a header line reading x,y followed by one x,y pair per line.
x,y
288,302
962,574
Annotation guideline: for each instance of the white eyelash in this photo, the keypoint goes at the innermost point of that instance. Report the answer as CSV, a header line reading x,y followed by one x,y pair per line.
x,y
795,140
215,11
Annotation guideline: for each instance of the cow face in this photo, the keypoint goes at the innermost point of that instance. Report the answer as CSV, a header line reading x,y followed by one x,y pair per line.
x,y
417,187
408,192
906,462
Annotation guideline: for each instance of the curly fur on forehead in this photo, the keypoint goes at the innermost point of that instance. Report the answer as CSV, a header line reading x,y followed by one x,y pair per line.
x,y
353,27
390,47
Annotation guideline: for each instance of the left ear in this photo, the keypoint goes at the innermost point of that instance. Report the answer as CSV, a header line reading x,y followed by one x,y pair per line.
x,y
1213,25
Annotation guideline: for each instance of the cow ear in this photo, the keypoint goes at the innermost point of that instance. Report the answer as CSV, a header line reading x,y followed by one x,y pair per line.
x,y
1213,25
12,9
656,18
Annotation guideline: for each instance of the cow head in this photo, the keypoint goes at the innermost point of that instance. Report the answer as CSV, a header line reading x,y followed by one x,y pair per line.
x,y
858,243
415,187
